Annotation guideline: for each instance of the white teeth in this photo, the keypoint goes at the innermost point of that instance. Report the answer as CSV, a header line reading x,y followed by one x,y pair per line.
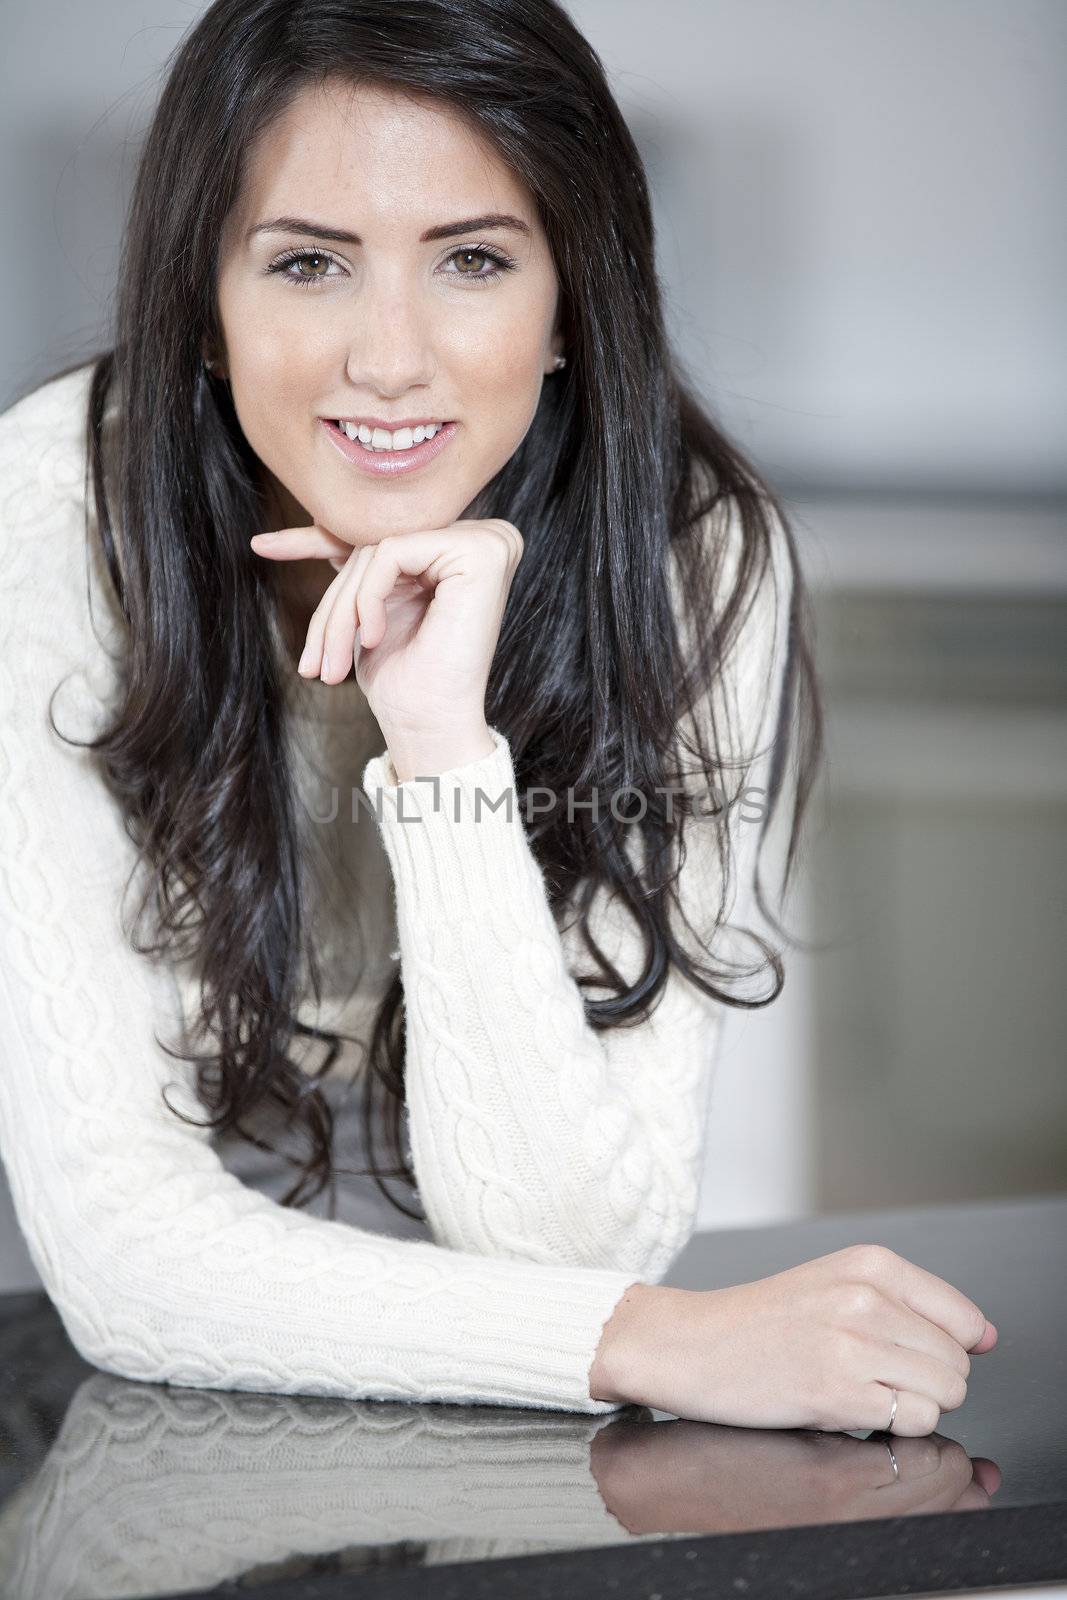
x,y
382,439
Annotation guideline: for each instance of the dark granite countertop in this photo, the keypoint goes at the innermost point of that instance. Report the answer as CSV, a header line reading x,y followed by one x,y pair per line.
x,y
109,1487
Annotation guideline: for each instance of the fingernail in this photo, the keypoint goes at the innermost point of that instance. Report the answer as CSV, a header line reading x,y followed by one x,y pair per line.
x,y
304,664
324,674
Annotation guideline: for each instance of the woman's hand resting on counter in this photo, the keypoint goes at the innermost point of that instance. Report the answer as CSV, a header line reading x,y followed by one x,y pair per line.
x,y
818,1346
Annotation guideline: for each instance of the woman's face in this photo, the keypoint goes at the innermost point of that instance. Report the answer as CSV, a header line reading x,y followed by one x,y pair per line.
x,y
396,326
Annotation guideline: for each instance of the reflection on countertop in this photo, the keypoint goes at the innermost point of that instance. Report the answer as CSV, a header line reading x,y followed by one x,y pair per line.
x,y
117,1488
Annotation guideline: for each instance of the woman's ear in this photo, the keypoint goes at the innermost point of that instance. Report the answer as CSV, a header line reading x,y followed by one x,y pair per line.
x,y
556,356
211,361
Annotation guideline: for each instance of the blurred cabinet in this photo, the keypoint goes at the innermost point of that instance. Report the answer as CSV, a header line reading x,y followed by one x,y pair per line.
x,y
938,1015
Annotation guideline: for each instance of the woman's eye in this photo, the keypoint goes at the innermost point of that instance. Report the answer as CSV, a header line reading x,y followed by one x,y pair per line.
x,y
498,263
283,266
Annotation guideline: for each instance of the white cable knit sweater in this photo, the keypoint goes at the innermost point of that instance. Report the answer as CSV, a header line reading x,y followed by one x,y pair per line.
x,y
556,1165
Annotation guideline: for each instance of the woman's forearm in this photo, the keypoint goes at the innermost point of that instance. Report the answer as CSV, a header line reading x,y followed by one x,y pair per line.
x,y
534,1135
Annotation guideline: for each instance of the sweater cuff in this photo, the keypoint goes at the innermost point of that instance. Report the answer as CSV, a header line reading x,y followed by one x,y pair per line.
x,y
540,1328
458,835
379,776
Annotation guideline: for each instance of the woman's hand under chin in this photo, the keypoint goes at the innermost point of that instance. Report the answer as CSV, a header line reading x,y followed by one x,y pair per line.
x,y
428,608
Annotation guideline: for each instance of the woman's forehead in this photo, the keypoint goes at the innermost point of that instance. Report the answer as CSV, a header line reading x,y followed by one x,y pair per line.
x,y
379,160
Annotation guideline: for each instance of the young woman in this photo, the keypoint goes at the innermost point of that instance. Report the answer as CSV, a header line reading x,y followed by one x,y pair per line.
x,y
388,294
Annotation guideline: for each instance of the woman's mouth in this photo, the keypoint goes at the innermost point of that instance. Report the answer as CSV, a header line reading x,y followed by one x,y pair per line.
x,y
384,462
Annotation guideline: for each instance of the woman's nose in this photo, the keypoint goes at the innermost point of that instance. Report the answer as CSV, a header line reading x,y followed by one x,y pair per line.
x,y
391,345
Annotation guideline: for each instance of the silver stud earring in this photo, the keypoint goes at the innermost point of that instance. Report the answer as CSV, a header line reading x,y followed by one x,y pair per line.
x,y
560,361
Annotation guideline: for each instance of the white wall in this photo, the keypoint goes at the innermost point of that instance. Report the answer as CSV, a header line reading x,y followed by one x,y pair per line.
x,y
869,208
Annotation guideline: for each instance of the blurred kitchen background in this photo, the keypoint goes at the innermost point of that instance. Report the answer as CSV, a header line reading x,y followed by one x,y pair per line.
x,y
861,208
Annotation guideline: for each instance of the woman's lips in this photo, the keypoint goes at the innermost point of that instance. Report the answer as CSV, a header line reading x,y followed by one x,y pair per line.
x,y
388,463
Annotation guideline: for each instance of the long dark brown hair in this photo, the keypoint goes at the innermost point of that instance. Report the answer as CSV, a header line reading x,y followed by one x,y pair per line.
x,y
613,488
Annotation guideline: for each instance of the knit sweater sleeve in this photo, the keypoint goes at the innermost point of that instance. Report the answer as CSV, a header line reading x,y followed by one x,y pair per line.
x,y
535,1137
162,1265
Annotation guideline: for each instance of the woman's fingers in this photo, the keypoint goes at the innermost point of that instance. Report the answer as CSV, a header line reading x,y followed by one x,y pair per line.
x,y
366,577
906,1369
410,557
338,611
919,1330
925,1388
939,1302
916,1415
892,1319
358,600
298,544
987,1341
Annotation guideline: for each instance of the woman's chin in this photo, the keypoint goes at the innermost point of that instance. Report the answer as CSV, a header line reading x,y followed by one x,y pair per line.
x,y
376,521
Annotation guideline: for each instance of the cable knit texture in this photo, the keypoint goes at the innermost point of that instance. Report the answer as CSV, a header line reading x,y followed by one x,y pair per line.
x,y
556,1165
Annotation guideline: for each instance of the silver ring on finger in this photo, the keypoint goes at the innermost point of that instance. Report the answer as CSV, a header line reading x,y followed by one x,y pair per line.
x,y
892,1415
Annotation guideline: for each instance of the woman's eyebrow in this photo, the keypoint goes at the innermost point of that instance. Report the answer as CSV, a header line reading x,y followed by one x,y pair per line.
x,y
444,230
